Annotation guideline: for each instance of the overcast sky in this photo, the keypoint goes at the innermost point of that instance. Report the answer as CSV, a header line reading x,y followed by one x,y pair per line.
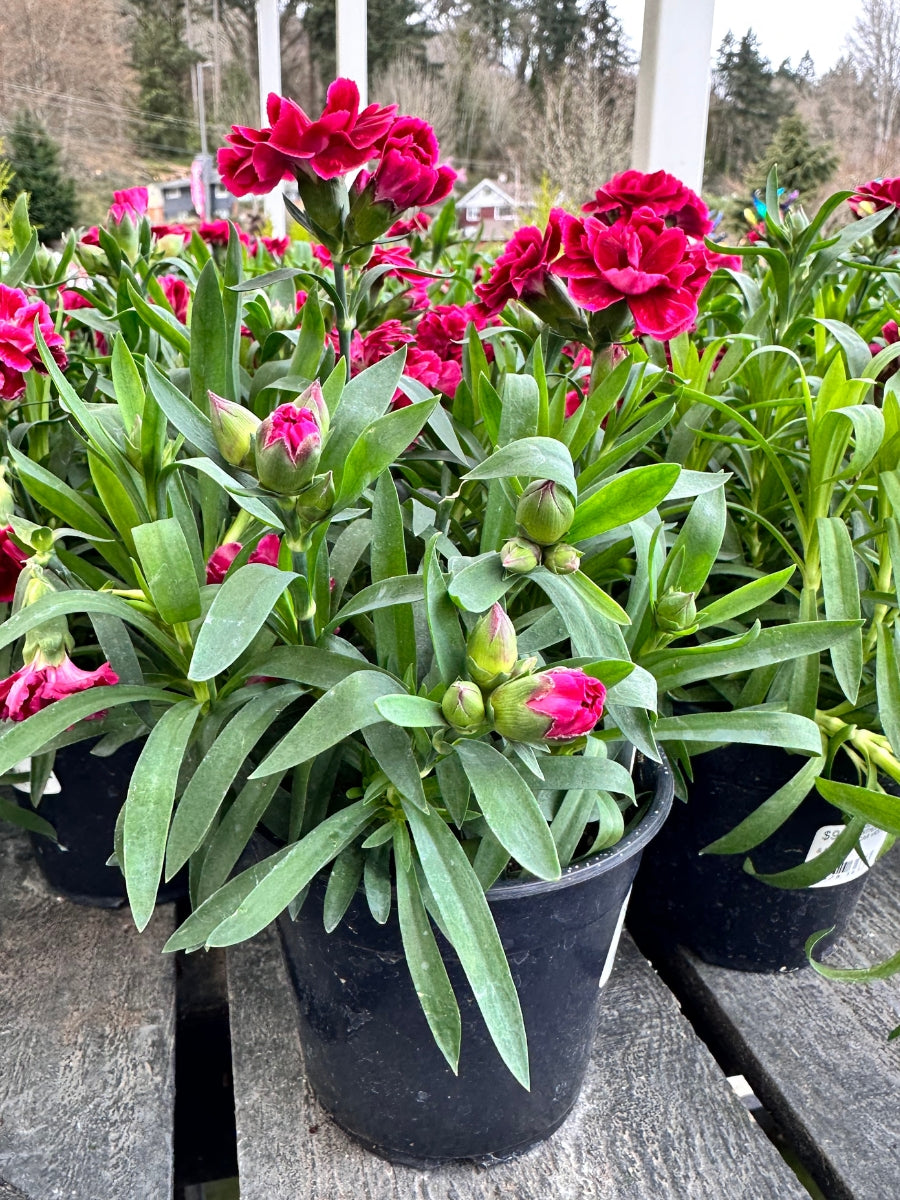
x,y
785,28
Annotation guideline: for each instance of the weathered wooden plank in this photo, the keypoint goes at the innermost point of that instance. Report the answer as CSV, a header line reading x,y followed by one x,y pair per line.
x,y
656,1119
87,1010
816,1052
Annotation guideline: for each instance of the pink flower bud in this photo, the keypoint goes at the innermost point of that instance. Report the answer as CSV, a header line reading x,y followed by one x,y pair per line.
x,y
552,706
555,705
289,441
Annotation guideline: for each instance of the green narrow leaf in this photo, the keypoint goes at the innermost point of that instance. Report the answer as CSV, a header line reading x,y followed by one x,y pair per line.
x,y
887,686
840,586
429,975
155,317
366,397
240,609
405,590
877,808
127,383
168,568
531,458
234,833
393,751
187,419
744,599
290,875
816,869
412,712
771,814
346,708
465,916
624,499
148,806
217,771
342,884
443,619
882,970
378,445
209,351
749,726
510,809
701,535
395,631
232,303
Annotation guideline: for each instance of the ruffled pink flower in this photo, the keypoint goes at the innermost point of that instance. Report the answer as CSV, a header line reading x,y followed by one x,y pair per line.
x,y
374,346
408,174
574,701
662,193
40,683
440,375
876,195
321,254
12,559
91,237
277,247
341,139
161,231
131,203
215,233
18,349
523,266
637,260
266,551
178,295
70,300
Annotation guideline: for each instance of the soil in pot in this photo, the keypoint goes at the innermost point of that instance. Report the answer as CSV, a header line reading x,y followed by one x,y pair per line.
x,y
83,813
369,1054
708,903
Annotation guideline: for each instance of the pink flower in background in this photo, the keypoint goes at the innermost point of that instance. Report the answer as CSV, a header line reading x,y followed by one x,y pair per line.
x,y
266,551
40,682
522,267
91,237
428,368
18,349
161,231
443,329
876,195
665,195
178,295
388,337
703,262
321,254
12,559
407,174
70,300
215,233
131,203
341,139
638,260
275,246
417,224
573,402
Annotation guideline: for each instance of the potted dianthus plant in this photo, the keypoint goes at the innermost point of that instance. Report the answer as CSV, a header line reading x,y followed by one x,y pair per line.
x,y
390,633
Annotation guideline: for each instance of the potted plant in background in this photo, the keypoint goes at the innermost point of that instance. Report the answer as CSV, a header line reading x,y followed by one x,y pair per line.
x,y
788,402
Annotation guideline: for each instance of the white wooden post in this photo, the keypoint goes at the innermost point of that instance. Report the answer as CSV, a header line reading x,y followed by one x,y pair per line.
x,y
268,45
352,42
672,102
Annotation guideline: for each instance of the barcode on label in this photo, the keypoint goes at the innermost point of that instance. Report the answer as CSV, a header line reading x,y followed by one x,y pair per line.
x,y
871,841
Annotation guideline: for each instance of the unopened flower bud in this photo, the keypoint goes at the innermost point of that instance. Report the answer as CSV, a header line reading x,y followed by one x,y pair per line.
x,y
545,512
7,499
287,445
316,500
519,556
463,705
491,649
555,705
676,611
562,559
233,428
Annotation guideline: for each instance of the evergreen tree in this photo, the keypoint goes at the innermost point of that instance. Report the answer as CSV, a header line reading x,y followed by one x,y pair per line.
x,y
802,165
745,106
163,60
35,161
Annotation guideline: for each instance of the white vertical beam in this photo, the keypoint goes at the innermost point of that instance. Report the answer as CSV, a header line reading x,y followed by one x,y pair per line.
x,y
352,59
268,46
672,102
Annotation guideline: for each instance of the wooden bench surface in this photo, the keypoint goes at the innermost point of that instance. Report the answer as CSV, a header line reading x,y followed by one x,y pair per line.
x,y
816,1052
87,1014
657,1119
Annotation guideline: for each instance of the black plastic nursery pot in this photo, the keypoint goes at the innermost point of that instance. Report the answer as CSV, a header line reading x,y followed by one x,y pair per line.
x,y
707,902
370,1056
83,813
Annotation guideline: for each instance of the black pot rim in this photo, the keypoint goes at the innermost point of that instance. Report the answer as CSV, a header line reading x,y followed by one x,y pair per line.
x,y
606,860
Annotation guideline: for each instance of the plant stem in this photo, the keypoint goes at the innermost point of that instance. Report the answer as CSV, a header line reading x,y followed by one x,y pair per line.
x,y
305,624
344,323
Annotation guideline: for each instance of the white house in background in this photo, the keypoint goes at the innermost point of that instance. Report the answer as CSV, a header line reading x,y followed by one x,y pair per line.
x,y
489,205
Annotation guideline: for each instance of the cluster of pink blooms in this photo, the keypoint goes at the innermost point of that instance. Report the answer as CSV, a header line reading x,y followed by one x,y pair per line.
x,y
342,139
40,682
18,348
266,551
639,243
434,349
